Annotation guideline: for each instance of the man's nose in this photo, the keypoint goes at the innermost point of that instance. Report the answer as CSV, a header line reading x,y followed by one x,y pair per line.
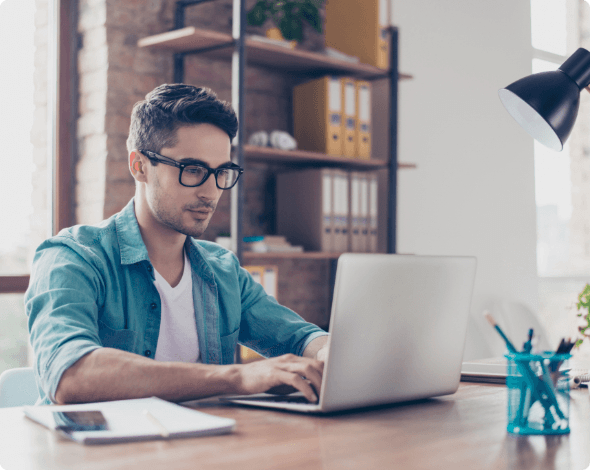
x,y
209,190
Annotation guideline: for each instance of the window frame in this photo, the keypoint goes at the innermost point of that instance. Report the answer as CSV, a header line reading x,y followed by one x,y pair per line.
x,y
61,105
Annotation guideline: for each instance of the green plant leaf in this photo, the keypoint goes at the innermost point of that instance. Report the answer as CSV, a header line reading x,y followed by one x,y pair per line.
x,y
312,15
291,28
258,14
584,303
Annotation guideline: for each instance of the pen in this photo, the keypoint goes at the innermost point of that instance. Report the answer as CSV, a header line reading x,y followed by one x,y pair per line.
x,y
489,318
539,389
561,346
528,345
161,428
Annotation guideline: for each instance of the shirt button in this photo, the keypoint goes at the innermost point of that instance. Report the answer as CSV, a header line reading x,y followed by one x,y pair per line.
x,y
147,353
153,306
149,268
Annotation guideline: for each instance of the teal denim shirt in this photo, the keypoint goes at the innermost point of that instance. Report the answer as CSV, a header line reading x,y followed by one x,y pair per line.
x,y
92,287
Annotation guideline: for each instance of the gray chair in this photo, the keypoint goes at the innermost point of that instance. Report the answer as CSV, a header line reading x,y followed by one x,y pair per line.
x,y
18,387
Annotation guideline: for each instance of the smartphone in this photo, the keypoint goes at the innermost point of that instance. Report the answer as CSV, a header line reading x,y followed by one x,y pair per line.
x,y
74,421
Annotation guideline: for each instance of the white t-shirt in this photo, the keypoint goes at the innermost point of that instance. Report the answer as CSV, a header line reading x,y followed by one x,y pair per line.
x,y
178,340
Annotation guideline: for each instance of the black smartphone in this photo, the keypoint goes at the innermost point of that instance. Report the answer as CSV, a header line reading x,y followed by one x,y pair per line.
x,y
73,421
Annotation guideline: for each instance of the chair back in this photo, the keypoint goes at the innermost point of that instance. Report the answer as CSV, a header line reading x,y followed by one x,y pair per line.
x,y
18,387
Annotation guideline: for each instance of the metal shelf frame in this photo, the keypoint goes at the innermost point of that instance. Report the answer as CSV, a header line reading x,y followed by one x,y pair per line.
x,y
239,62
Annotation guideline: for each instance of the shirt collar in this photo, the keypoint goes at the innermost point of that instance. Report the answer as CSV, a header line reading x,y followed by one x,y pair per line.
x,y
133,249
131,245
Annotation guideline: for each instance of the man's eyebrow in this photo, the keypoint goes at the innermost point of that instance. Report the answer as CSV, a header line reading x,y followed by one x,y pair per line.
x,y
189,161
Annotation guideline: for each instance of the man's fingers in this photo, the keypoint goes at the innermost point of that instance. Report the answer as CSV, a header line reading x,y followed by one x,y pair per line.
x,y
300,384
310,369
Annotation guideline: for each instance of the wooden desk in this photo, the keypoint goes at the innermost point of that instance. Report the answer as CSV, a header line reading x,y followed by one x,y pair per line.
x,y
466,430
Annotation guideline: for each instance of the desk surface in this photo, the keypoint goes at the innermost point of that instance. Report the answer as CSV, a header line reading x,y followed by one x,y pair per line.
x,y
466,430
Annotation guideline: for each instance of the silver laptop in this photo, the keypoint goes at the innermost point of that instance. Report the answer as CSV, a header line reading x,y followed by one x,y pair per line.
x,y
398,326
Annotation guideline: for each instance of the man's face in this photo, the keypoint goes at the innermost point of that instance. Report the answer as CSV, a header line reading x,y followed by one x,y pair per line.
x,y
188,210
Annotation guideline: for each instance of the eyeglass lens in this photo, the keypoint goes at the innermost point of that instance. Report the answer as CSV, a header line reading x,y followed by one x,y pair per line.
x,y
194,175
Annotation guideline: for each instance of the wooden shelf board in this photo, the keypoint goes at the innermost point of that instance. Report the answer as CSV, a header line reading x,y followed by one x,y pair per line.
x,y
250,256
190,39
184,39
304,157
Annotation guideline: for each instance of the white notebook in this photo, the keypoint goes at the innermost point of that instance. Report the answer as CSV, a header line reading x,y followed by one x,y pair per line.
x,y
128,421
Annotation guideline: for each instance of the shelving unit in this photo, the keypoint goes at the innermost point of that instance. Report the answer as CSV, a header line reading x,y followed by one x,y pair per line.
x,y
191,40
241,50
251,256
305,158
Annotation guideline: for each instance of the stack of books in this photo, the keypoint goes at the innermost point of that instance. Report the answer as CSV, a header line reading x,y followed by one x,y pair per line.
x,y
270,244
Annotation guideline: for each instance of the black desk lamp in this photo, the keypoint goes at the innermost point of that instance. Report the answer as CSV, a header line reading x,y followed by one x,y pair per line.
x,y
546,104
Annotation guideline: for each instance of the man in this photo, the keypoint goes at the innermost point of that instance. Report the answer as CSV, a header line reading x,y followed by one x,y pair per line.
x,y
105,301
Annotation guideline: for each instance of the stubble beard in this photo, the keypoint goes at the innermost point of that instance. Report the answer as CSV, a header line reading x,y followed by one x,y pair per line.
x,y
172,217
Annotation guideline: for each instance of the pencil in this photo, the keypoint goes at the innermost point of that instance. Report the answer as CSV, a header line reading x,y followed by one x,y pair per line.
x,y
161,428
490,318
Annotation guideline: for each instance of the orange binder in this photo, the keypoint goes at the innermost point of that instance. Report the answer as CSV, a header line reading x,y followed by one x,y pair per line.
x,y
317,115
349,118
363,122
359,28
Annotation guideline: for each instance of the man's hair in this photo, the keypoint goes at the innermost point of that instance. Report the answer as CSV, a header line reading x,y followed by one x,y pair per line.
x,y
155,120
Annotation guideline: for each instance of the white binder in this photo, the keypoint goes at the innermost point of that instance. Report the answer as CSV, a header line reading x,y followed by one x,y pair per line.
x,y
373,211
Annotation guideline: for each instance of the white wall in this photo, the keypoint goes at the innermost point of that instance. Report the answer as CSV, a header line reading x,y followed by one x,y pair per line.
x,y
473,191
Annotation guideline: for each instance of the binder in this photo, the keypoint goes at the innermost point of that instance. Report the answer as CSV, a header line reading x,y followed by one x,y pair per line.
x,y
364,212
271,281
373,211
355,212
340,209
257,272
363,122
359,28
266,276
317,115
349,120
304,208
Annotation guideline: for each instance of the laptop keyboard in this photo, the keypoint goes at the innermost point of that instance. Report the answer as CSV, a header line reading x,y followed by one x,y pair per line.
x,y
283,399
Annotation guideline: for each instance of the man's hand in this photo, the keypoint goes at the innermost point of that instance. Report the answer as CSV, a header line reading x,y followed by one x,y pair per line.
x,y
301,373
322,354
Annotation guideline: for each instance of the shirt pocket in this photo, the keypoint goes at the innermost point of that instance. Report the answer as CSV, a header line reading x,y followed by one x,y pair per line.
x,y
228,347
125,340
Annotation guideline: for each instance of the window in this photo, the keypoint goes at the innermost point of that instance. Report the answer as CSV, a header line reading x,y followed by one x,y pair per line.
x,y
17,47
34,181
561,190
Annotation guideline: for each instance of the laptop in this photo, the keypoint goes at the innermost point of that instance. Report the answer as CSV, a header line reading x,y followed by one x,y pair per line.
x,y
397,326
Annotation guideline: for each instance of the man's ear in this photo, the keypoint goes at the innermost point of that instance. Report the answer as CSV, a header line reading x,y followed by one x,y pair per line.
x,y
136,166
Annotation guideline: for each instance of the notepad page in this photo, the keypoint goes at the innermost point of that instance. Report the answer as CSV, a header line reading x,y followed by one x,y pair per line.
x,y
126,419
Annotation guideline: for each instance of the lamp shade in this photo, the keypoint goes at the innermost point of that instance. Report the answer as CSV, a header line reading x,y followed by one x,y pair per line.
x,y
546,104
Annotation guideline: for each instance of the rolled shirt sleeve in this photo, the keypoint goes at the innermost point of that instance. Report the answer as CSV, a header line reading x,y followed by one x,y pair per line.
x,y
269,328
62,304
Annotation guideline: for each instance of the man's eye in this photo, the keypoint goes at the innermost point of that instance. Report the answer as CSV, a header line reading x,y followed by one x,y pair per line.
x,y
194,170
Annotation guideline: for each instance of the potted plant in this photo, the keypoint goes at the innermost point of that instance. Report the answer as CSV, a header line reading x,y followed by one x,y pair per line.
x,y
584,303
288,17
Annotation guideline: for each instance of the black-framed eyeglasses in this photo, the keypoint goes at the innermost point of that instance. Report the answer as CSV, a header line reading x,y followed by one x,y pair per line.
x,y
195,174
